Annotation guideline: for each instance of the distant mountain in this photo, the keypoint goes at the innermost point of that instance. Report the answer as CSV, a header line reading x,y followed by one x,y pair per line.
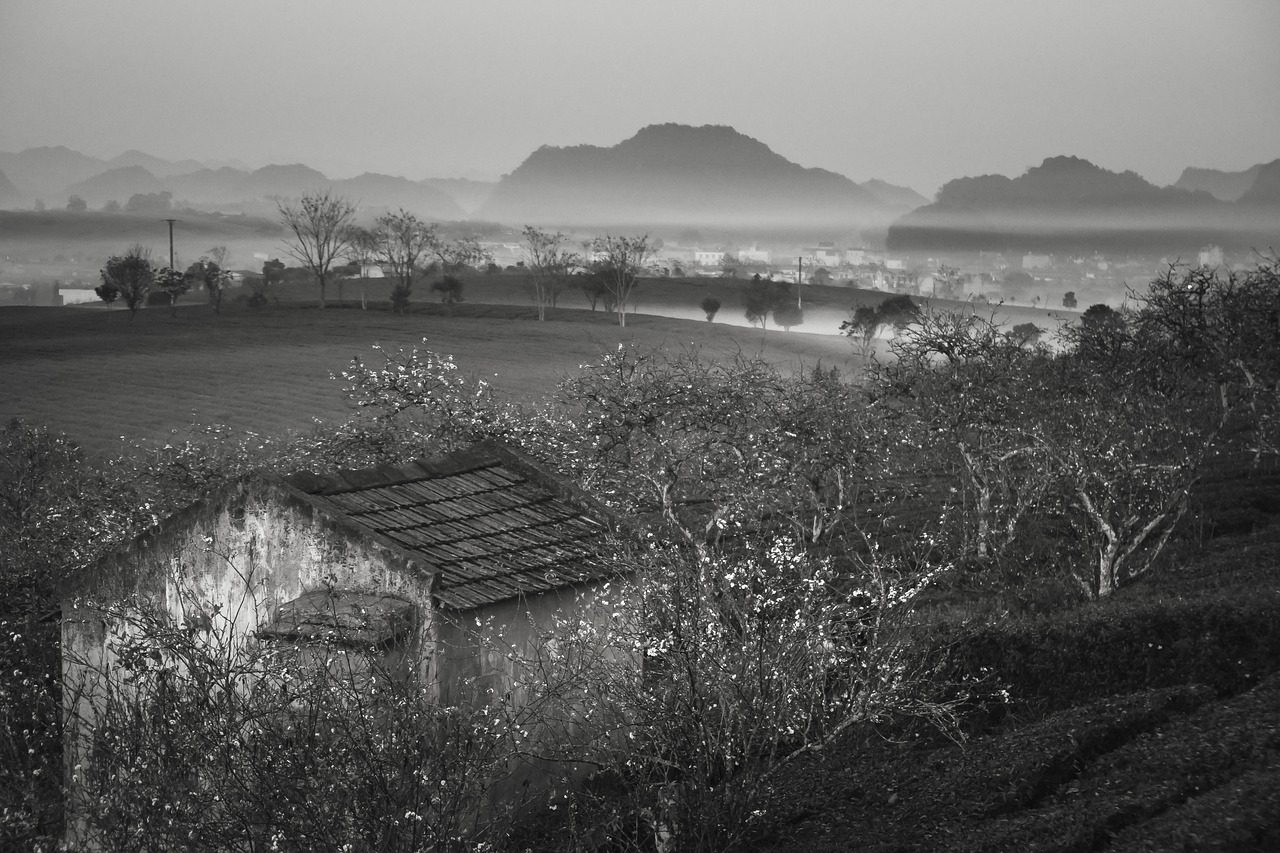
x,y
374,190
9,195
1265,189
224,185
1227,186
1069,204
675,174
54,174
894,196
466,193
291,181
155,165
118,184
44,173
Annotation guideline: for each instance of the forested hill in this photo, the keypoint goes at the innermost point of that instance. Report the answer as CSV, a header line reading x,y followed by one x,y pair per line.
x,y
677,174
1070,204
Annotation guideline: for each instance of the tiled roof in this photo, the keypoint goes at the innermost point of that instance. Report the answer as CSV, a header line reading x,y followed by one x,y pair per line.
x,y
487,519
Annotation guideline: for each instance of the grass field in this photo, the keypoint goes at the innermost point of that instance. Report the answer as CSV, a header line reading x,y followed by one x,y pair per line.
x,y
97,375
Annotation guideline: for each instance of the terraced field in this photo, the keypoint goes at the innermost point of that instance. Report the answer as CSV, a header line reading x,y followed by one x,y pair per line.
x,y
1147,722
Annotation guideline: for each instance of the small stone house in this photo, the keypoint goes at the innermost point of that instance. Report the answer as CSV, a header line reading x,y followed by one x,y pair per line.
x,y
404,559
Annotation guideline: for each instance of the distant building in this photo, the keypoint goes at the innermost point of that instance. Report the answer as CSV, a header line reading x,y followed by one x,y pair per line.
x,y
1036,262
895,264
708,259
855,257
1210,256
755,255
821,276
824,253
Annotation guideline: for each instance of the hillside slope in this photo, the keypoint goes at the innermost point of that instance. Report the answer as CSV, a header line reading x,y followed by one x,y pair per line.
x,y
1147,722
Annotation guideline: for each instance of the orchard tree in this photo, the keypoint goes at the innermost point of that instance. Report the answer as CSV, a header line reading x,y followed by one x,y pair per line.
x,y
747,662
450,289
1027,333
549,262
866,322
458,254
1069,299
596,290
729,266
76,204
319,232
762,297
710,306
619,261
1123,454
207,273
787,315
173,284
362,249
272,278
130,276
863,325
974,394
220,255
1213,339
399,243
716,448
107,292
948,282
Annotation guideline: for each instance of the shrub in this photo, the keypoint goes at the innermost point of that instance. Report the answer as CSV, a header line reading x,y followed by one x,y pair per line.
x,y
693,683
710,306
449,288
399,299
301,747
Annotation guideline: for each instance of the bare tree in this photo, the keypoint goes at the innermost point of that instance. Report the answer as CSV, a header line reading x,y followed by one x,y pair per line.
x,y
455,254
549,262
220,255
361,252
399,242
319,231
210,275
619,261
174,284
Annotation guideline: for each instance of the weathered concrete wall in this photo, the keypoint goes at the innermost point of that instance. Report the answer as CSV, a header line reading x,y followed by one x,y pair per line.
x,y
493,656
223,568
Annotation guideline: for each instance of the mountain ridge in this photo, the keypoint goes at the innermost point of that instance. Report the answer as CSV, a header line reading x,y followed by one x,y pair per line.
x,y
1070,204
673,174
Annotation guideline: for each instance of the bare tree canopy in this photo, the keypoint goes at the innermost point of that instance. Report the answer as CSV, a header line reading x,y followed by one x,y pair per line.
x,y
619,261
319,232
549,262
399,243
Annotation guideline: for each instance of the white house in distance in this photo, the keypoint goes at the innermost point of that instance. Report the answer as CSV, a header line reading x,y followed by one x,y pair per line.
x,y
855,257
824,254
755,255
1210,256
708,257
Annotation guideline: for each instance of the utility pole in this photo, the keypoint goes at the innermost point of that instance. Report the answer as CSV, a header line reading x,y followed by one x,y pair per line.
x,y
799,280
170,221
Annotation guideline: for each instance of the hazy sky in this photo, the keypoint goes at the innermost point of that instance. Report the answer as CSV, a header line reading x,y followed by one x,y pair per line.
x,y
909,91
